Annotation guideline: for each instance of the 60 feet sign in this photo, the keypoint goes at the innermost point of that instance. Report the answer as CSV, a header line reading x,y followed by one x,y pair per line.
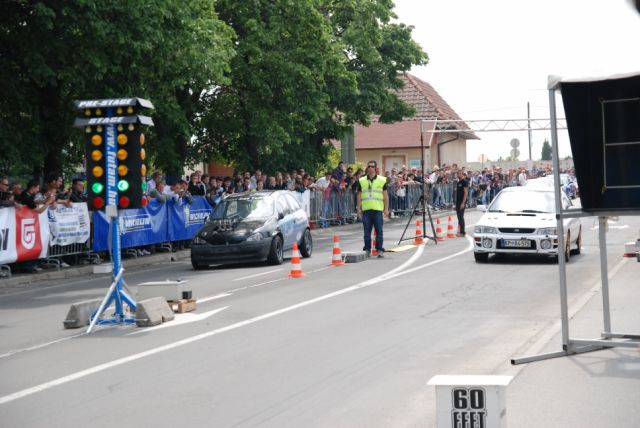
x,y
471,401
469,408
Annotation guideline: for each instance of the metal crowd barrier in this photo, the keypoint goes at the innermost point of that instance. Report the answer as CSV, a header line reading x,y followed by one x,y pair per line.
x,y
339,207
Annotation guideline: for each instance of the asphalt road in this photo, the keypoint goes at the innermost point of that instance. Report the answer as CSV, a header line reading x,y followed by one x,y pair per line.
x,y
349,346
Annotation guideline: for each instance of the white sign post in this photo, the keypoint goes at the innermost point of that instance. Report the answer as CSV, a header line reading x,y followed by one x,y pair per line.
x,y
470,401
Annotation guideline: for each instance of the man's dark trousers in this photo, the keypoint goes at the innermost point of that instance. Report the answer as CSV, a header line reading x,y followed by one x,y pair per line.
x,y
460,214
372,219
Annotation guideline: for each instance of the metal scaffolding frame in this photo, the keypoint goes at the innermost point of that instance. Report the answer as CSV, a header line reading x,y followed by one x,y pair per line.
x,y
494,125
607,339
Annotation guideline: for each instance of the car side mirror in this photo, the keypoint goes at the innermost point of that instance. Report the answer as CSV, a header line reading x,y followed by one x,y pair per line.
x,y
482,208
280,216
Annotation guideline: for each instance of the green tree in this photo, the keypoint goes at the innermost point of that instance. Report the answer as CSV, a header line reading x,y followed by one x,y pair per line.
x,y
304,72
56,52
546,151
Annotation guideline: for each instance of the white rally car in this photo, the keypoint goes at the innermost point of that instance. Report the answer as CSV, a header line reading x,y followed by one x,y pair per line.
x,y
522,220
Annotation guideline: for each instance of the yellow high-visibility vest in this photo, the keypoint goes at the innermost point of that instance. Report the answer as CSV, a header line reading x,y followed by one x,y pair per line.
x,y
372,193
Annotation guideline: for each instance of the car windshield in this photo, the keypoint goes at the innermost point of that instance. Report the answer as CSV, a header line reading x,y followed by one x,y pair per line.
x,y
524,201
244,208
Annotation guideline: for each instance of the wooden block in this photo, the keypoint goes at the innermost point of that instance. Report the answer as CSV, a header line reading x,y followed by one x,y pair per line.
x,y
183,305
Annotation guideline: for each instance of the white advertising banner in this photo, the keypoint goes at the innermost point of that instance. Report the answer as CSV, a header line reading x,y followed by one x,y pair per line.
x,y
304,199
8,235
24,235
69,225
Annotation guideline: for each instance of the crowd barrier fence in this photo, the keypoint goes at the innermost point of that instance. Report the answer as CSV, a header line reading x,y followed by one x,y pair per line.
x,y
161,223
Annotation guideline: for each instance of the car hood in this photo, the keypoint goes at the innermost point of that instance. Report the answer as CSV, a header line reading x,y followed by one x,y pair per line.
x,y
227,230
524,220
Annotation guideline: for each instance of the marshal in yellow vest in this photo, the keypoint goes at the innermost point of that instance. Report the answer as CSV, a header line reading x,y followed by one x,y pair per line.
x,y
372,193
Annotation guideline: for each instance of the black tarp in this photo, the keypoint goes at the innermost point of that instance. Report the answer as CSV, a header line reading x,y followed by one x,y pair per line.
x,y
603,119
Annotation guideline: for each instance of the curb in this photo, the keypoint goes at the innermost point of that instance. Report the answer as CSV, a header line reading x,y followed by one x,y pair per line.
x,y
76,271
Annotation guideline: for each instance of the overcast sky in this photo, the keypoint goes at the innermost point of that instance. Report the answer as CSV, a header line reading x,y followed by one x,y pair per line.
x,y
487,58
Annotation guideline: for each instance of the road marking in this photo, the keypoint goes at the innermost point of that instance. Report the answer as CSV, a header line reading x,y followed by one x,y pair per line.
x,y
217,296
257,274
624,226
398,271
180,319
42,345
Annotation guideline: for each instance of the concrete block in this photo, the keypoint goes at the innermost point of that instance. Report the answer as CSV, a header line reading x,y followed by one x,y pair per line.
x,y
170,290
355,257
152,312
79,314
103,268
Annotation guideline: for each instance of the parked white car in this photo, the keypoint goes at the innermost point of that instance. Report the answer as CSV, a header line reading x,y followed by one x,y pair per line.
x,y
522,220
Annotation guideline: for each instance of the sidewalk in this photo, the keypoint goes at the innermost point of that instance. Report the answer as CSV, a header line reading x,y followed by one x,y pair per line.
x,y
51,274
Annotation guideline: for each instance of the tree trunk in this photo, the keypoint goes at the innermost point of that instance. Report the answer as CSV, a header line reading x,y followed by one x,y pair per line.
x,y
52,116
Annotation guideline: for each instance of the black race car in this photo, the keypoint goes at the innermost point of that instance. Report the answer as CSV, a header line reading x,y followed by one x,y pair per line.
x,y
251,227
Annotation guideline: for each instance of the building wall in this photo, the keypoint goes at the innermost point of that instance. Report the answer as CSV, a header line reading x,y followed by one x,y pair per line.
x,y
407,156
452,152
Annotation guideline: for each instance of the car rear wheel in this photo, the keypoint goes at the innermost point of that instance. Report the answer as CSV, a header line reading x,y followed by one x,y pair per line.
x,y
276,255
481,257
567,249
306,245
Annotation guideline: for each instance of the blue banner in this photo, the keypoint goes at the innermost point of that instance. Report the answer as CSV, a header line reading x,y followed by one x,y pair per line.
x,y
186,219
138,227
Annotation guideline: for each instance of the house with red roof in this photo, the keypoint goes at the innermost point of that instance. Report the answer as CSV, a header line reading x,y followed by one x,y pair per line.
x,y
398,144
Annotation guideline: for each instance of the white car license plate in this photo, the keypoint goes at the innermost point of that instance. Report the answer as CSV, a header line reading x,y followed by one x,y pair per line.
x,y
517,243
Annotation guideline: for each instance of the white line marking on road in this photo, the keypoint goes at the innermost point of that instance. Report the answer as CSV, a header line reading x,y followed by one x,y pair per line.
x,y
257,274
217,296
42,345
180,319
111,364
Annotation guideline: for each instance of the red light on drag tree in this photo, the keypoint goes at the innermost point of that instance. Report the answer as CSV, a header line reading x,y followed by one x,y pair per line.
x,y
98,203
144,202
124,202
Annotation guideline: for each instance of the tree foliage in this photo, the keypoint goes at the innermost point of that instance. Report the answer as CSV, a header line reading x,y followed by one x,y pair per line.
x,y
56,52
304,72
546,151
256,83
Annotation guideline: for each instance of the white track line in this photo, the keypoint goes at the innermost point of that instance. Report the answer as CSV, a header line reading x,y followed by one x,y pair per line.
x,y
41,345
217,296
257,274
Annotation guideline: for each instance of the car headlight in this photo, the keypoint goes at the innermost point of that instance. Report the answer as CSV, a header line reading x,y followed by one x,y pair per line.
x,y
485,229
255,237
548,231
198,240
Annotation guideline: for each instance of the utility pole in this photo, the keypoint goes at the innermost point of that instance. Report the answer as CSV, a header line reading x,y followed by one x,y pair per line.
x,y
529,128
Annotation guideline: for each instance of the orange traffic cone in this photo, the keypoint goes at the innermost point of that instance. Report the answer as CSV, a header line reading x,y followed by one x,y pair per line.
x,y
418,240
439,231
296,268
374,252
336,259
450,232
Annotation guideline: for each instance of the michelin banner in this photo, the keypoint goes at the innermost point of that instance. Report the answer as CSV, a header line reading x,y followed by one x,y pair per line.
x,y
24,235
69,225
186,219
138,227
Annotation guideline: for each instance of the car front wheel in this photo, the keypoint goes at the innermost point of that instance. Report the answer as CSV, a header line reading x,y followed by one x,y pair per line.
x,y
306,245
198,266
481,257
276,255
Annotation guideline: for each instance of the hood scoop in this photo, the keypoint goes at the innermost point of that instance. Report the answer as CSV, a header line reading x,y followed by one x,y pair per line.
x,y
521,215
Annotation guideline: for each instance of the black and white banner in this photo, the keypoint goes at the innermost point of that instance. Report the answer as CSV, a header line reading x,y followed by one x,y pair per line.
x,y
69,225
